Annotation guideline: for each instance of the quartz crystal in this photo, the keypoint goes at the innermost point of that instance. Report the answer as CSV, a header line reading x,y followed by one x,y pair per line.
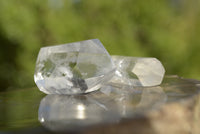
x,y
135,71
73,68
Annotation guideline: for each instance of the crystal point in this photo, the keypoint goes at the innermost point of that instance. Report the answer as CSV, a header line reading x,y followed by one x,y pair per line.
x,y
73,68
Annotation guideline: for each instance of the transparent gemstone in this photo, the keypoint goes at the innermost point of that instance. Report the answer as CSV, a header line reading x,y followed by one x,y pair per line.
x,y
137,71
73,68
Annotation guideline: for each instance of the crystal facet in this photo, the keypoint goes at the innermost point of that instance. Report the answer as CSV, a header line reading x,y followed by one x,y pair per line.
x,y
137,71
73,68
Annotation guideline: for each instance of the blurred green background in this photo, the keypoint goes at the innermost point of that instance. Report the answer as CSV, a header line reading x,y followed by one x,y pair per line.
x,y
166,29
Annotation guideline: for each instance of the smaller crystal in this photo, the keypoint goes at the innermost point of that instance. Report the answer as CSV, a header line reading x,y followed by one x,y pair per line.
x,y
137,71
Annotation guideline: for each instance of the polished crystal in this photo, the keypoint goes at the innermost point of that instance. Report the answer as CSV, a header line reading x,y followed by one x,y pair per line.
x,y
135,71
73,68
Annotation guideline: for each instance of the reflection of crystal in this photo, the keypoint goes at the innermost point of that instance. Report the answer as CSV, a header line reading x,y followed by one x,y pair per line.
x,y
135,100
73,68
61,113
108,105
138,71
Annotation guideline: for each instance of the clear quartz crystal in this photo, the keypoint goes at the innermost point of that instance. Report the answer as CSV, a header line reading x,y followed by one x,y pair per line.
x,y
73,68
136,71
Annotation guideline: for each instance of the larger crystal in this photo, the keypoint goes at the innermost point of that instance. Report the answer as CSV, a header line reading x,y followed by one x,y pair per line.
x,y
136,71
73,68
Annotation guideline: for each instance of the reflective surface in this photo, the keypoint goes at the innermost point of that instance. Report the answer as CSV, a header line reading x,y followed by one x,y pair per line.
x,y
29,110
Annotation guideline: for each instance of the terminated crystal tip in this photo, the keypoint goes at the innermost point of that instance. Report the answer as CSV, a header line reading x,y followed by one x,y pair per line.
x,y
73,68
137,71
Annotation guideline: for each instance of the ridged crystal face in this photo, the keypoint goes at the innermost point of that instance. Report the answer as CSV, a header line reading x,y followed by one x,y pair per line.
x,y
73,68
137,71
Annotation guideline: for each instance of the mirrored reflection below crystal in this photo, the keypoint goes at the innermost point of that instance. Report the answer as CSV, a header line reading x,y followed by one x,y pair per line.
x,y
135,101
71,112
109,105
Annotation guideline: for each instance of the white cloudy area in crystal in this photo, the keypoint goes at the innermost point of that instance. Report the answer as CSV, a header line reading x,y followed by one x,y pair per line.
x,y
137,71
73,68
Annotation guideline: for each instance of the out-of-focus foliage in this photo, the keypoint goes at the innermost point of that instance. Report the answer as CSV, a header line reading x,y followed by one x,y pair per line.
x,y
166,29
